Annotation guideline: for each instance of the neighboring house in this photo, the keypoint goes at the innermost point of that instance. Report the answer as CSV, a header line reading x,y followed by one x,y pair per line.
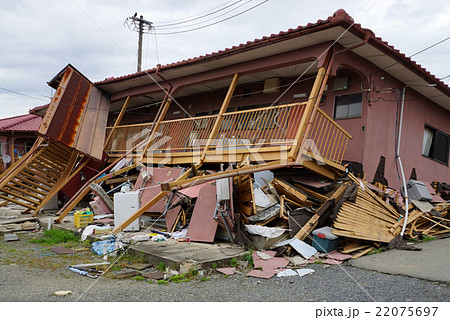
x,y
363,93
17,136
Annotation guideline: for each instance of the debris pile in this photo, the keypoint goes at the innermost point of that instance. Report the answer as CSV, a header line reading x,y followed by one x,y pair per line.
x,y
288,208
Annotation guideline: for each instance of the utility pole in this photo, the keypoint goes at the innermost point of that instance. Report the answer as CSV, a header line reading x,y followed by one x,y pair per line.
x,y
140,25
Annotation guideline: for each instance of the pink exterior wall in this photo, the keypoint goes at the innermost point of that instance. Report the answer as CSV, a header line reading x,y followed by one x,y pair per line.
x,y
373,133
379,121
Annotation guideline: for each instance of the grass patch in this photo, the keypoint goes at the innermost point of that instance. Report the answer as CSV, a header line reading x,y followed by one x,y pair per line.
x,y
161,267
203,279
163,282
131,258
375,251
139,278
181,280
428,238
233,262
249,257
54,236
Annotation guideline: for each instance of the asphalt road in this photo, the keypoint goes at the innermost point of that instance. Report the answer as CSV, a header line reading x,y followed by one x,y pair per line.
x,y
333,283
32,272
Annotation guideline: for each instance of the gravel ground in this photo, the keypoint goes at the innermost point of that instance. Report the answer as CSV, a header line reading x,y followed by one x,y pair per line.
x,y
29,273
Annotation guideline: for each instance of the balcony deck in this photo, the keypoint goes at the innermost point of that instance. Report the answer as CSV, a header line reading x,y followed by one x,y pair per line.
x,y
263,134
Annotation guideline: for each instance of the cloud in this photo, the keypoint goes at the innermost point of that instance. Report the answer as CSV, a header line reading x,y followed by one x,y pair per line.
x,y
39,37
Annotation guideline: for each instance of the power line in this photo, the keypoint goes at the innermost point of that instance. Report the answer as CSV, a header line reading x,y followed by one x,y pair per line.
x,y
211,24
423,50
23,94
196,15
193,19
433,45
210,19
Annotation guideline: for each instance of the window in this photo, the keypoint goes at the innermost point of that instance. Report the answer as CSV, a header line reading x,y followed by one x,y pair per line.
x,y
435,145
348,106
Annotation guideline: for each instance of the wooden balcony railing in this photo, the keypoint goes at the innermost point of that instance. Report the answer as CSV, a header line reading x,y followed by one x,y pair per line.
x,y
327,139
265,129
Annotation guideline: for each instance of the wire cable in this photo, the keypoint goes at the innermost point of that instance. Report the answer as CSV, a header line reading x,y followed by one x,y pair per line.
x,y
214,23
196,15
193,19
23,94
204,21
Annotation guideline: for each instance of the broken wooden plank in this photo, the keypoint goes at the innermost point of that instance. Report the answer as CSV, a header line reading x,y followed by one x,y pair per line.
x,y
363,253
203,227
290,191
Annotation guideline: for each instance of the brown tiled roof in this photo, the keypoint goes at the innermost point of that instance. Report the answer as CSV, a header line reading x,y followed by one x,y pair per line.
x,y
340,17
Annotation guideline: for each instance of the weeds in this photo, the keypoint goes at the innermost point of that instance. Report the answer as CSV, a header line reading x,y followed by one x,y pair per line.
x,y
54,236
160,267
165,282
428,238
139,278
249,257
233,262
374,251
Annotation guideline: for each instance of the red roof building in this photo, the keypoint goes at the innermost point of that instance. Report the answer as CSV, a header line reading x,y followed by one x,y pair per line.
x,y
17,135
369,85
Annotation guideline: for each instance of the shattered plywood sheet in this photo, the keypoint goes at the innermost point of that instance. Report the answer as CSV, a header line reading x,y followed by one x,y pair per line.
x,y
261,274
151,187
226,271
127,274
202,226
267,261
154,275
77,114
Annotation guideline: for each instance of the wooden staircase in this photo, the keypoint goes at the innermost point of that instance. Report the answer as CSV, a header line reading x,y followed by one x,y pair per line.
x,y
33,182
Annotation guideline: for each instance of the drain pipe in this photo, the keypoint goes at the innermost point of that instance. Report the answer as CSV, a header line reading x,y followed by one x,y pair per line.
x,y
397,157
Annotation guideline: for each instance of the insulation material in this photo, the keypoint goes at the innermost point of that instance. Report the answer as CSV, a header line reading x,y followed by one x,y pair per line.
x,y
77,114
264,231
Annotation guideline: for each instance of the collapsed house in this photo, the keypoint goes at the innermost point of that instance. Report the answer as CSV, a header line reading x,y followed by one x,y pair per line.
x,y
261,134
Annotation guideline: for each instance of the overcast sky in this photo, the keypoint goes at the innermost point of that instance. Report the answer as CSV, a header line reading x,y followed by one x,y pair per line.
x,y
39,38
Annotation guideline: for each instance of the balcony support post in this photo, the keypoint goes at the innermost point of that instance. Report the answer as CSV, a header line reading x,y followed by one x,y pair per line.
x,y
219,118
311,108
118,120
156,124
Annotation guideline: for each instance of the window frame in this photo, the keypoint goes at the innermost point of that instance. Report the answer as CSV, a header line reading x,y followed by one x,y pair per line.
x,y
434,146
348,106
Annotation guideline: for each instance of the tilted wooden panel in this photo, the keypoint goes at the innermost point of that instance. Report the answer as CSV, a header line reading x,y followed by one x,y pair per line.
x,y
77,114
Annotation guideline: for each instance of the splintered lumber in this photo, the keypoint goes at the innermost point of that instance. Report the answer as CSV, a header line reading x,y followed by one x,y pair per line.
x,y
121,180
314,221
291,192
245,195
354,246
363,253
368,218
412,216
